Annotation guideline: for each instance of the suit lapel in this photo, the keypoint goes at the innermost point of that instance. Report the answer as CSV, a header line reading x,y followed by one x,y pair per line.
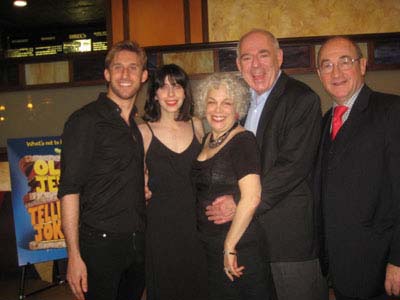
x,y
270,106
345,136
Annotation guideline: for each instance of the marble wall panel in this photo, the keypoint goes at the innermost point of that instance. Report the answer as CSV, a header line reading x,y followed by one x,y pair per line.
x,y
45,73
229,19
195,62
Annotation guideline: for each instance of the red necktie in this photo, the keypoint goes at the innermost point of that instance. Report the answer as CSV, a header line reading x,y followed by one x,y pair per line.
x,y
337,119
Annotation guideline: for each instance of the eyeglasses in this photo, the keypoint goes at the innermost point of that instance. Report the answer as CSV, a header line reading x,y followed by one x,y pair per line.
x,y
344,63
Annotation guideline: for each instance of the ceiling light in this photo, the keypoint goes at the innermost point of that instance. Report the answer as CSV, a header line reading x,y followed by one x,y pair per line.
x,y
20,3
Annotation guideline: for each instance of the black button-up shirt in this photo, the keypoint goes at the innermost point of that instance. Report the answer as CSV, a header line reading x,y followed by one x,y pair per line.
x,y
102,161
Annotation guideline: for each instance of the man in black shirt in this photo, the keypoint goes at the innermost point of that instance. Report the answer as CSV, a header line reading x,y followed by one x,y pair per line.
x,y
102,185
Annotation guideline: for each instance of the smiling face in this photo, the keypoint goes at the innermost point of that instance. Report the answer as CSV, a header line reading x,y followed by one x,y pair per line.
x,y
220,110
341,84
124,76
259,61
170,96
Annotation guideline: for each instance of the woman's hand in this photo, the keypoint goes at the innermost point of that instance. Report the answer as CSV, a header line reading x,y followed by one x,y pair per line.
x,y
230,264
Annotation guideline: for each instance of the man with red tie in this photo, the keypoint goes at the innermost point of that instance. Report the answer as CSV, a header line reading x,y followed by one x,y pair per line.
x,y
358,178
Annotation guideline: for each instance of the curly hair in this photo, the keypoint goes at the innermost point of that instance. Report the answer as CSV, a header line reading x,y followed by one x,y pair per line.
x,y
237,90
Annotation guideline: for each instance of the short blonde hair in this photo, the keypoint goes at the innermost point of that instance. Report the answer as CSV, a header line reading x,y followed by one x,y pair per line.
x,y
237,90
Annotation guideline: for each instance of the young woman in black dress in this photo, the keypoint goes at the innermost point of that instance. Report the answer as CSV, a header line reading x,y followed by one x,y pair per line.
x,y
228,164
175,267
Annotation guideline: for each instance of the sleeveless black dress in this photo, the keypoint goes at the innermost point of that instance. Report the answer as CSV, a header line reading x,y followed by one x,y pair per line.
x,y
175,262
217,176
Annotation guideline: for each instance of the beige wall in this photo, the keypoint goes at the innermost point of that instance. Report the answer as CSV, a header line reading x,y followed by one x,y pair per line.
x,y
229,19
53,106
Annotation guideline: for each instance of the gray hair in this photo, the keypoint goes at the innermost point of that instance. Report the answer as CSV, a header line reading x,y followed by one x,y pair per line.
x,y
267,33
237,90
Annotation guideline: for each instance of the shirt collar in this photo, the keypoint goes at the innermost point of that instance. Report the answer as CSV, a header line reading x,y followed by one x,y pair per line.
x,y
110,108
350,102
259,99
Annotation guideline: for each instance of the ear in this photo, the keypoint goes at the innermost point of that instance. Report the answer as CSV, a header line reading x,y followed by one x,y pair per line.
x,y
107,75
319,74
280,57
145,75
363,65
238,64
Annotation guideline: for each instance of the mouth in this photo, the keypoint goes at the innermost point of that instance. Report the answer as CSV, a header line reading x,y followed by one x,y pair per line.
x,y
125,84
258,77
339,83
171,102
218,119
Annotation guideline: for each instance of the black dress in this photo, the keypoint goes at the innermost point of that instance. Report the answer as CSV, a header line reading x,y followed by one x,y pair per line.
x,y
175,262
218,176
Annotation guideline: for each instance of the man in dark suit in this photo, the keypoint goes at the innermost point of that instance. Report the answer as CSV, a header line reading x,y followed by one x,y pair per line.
x,y
285,116
358,177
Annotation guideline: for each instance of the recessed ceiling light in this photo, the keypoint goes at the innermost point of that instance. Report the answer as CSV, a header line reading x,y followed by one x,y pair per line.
x,y
20,3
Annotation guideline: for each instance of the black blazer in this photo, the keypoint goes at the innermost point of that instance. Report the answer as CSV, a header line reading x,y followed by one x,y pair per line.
x,y
288,134
358,177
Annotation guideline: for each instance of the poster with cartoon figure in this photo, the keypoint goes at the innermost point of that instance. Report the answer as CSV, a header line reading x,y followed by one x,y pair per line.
x,y
35,173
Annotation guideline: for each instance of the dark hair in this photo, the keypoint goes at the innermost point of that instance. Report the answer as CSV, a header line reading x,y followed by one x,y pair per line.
x,y
175,74
128,46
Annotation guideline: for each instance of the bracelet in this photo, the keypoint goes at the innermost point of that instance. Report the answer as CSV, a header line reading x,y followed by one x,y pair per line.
x,y
229,252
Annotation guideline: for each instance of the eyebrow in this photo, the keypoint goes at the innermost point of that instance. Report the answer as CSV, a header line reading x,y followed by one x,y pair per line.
x,y
225,99
343,56
262,51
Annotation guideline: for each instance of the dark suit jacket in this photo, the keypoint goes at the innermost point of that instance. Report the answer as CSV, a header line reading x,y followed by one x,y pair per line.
x,y
358,177
288,134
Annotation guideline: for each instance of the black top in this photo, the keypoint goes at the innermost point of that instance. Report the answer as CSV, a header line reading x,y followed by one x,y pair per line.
x,y
102,161
175,263
220,175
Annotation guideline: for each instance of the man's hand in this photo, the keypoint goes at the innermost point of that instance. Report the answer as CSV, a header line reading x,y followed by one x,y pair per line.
x,y
392,282
221,210
77,277
147,192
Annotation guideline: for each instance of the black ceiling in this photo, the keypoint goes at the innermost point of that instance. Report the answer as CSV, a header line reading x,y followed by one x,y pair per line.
x,y
51,15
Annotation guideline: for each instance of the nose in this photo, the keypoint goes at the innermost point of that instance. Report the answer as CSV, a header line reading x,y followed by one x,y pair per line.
x,y
255,62
171,91
335,70
125,72
218,107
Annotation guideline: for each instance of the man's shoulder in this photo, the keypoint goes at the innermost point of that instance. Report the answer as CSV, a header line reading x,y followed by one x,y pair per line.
x,y
295,90
298,86
385,98
89,112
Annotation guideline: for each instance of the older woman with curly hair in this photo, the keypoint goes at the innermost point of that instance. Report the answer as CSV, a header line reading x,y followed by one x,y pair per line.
x,y
229,164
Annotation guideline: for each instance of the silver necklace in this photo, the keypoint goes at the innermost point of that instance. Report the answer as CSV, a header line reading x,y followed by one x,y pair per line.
x,y
215,143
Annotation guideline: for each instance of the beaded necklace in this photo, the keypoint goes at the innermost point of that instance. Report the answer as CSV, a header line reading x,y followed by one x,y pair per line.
x,y
215,143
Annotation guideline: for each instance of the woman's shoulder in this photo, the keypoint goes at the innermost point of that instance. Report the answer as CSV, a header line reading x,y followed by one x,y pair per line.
x,y
243,136
198,128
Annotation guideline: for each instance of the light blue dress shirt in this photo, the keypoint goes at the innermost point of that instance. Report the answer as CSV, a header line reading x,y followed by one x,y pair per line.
x,y
257,104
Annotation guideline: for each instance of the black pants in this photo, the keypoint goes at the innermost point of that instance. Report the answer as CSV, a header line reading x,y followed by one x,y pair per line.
x,y
302,279
115,265
254,284
339,296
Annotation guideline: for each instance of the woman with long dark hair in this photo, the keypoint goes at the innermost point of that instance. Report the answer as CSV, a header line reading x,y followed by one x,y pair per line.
x,y
175,267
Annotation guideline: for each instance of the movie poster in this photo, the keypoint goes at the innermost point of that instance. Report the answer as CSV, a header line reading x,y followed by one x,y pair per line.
x,y
35,174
